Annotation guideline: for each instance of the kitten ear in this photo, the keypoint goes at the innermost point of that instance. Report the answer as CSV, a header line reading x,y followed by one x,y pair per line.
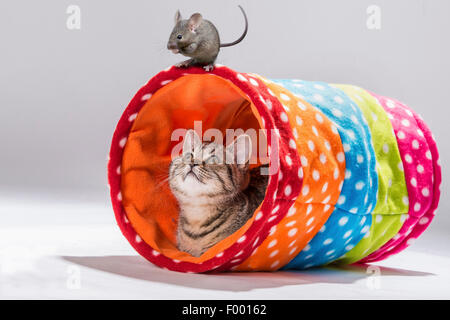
x,y
177,16
194,21
191,141
241,149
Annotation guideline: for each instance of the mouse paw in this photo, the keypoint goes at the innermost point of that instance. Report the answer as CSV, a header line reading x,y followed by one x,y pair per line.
x,y
184,64
209,67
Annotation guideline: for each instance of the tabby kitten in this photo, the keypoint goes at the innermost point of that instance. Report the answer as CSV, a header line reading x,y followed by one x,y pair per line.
x,y
216,197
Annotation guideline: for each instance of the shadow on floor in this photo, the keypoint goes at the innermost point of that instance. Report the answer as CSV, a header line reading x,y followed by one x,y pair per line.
x,y
137,267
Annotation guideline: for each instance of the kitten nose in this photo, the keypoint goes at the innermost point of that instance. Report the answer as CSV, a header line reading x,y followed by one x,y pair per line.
x,y
193,165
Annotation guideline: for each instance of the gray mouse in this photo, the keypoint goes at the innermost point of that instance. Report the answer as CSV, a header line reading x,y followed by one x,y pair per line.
x,y
198,39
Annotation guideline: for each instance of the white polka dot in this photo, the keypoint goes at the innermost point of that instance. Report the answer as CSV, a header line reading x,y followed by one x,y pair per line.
x,y
415,144
390,104
316,175
310,220
403,217
119,196
424,220
272,230
420,168
322,158
304,161
365,229
311,145
118,170
359,158
405,122
401,135
425,192
405,200
241,77
284,117
400,166
291,211
325,187
219,254
292,144
349,247
273,265
287,190
259,216
305,190
285,97
138,239
292,232
359,185
308,209
301,106
414,182
122,142
318,86
428,155
336,112
241,239
318,97
347,234
338,99
275,210
385,148
340,157
378,218
348,174
420,132
319,118
146,97
408,158
328,241
288,160
300,173
314,129
165,82
272,243
341,200
354,119
254,82
336,173
290,224
132,117
343,221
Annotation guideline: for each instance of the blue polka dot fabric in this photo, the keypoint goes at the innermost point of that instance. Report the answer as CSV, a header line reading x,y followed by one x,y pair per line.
x,y
351,219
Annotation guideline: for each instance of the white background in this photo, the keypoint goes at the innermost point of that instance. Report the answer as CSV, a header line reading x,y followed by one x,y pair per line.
x,y
62,92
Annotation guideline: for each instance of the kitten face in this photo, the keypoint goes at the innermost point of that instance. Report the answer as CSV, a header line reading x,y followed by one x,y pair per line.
x,y
208,169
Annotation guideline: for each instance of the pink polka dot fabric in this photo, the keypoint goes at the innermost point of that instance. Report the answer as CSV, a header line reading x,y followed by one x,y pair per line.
x,y
419,158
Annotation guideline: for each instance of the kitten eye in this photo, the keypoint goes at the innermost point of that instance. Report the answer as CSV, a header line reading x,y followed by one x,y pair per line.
x,y
188,157
179,36
212,160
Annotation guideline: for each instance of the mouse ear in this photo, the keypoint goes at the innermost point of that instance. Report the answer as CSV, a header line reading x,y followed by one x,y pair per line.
x,y
194,21
177,16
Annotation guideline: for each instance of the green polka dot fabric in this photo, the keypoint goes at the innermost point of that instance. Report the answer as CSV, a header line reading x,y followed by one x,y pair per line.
x,y
392,198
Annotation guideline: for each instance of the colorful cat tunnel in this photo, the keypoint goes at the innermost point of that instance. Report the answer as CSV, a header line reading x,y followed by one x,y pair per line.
x,y
357,175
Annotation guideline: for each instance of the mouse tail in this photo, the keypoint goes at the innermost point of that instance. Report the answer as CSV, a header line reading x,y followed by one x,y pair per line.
x,y
242,36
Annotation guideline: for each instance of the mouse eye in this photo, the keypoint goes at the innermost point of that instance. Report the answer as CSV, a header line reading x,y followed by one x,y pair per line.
x,y
179,36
